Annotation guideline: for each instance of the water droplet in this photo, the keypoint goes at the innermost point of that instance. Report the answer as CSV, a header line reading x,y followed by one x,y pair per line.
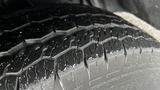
x,y
89,74
125,51
92,35
17,87
45,49
25,85
65,38
117,50
110,52
11,68
74,65
38,47
90,58
105,55
29,68
6,85
44,77
140,51
61,84
107,66
27,77
97,55
36,73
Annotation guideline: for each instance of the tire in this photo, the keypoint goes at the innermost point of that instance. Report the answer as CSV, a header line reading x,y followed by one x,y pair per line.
x,y
75,47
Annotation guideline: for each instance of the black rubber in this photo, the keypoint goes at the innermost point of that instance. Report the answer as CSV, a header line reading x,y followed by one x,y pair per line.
x,y
38,42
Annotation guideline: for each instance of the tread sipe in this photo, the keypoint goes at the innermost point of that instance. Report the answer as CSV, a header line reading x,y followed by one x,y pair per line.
x,y
60,40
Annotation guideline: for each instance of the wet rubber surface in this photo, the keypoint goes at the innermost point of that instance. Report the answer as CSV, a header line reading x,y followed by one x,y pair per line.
x,y
137,73
67,42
